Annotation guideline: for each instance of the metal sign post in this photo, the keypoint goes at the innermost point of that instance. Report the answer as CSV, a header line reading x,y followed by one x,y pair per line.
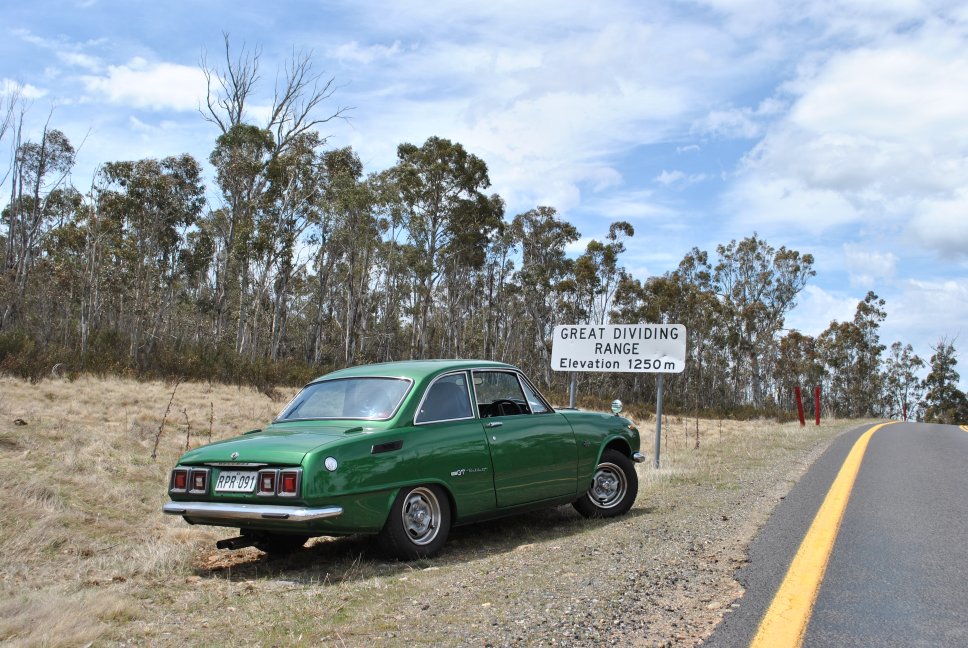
x,y
658,416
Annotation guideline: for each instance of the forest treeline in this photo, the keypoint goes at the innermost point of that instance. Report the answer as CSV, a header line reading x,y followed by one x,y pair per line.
x,y
295,260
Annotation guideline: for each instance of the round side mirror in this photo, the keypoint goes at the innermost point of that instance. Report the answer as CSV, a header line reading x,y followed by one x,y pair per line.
x,y
616,406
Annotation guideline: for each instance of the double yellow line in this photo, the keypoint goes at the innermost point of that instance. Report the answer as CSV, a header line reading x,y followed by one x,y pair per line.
x,y
785,622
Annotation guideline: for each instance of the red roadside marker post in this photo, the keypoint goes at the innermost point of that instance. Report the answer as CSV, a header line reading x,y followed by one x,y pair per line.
x,y
799,395
816,403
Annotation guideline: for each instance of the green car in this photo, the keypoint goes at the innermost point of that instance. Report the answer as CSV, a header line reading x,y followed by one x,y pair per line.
x,y
406,450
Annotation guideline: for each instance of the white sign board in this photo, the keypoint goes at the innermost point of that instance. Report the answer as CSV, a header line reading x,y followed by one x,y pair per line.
x,y
628,348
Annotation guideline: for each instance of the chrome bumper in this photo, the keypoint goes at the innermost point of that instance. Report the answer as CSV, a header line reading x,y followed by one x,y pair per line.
x,y
638,457
243,512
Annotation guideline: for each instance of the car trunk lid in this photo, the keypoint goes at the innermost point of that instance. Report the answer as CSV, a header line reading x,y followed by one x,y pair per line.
x,y
276,445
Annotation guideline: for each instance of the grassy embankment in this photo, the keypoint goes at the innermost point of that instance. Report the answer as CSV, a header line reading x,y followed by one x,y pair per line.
x,y
89,557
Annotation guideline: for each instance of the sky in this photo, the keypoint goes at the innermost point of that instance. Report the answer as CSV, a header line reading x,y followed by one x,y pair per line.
x,y
835,128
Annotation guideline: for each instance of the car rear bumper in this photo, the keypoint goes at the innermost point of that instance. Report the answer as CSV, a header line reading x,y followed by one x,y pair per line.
x,y
250,512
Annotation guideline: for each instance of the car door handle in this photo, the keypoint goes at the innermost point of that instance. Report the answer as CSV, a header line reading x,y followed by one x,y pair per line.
x,y
494,424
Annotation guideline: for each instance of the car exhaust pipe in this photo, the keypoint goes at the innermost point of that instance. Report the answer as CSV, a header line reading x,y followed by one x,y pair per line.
x,y
240,542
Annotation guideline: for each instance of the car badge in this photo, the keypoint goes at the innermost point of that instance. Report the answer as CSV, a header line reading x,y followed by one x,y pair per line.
x,y
235,455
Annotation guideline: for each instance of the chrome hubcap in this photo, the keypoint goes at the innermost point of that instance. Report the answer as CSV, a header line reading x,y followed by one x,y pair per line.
x,y
608,485
421,516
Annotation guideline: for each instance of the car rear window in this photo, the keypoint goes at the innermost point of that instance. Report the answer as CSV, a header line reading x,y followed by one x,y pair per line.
x,y
347,398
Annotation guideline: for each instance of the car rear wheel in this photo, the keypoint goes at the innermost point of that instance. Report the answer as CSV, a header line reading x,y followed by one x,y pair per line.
x,y
419,523
614,487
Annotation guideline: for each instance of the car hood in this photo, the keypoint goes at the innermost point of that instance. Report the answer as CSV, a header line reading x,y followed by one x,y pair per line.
x,y
283,445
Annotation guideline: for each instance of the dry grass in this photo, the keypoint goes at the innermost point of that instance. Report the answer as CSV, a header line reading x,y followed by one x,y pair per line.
x,y
89,557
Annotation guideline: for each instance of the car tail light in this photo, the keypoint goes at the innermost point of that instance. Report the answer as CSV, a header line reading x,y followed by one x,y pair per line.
x,y
198,481
267,482
179,480
289,482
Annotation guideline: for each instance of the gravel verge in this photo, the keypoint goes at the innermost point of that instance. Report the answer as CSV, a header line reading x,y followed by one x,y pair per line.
x,y
663,575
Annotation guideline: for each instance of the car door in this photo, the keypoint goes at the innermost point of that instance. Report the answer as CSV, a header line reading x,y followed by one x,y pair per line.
x,y
533,449
450,444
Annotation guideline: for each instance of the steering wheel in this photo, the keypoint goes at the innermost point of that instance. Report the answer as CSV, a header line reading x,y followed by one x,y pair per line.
x,y
506,407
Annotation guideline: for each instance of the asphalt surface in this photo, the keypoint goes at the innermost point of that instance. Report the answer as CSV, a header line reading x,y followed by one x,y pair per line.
x,y
898,574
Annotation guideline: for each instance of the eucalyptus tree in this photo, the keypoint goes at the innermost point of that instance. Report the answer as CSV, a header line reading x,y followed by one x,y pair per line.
x,y
151,204
12,110
943,401
39,176
598,274
545,267
851,355
682,296
244,153
799,364
903,389
49,307
348,245
869,316
500,299
757,286
294,204
449,221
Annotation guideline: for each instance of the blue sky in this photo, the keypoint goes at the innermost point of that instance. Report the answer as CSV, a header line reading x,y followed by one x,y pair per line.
x,y
834,128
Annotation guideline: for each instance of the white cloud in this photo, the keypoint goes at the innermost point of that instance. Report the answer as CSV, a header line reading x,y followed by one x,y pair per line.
x,y
549,98
353,52
669,177
942,224
629,205
866,267
24,90
741,123
678,179
154,86
817,308
578,247
924,311
785,205
875,138
79,59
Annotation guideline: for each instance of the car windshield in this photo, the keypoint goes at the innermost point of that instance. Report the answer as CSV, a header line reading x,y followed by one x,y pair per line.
x,y
347,398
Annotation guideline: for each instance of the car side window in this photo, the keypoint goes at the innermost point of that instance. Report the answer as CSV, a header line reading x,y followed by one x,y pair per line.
x,y
499,394
536,403
446,400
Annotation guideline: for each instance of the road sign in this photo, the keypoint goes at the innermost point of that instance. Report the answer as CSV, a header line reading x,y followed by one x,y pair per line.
x,y
625,348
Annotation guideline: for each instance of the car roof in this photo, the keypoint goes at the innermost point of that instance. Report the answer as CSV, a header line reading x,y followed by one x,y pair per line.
x,y
414,369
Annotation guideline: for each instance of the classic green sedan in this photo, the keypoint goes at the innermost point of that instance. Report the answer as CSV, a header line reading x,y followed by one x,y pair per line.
x,y
406,450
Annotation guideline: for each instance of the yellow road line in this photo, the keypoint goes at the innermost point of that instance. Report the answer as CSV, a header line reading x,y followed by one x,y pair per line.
x,y
785,622
965,428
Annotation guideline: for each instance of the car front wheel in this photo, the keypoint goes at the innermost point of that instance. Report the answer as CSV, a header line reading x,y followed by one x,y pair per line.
x,y
614,487
419,523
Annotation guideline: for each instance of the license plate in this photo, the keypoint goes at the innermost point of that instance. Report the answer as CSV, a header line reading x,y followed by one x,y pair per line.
x,y
236,481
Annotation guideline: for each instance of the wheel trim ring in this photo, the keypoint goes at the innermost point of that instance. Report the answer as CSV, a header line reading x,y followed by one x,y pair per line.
x,y
612,498
421,516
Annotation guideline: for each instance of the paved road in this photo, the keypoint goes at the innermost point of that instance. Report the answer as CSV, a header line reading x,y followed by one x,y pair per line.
x,y
898,571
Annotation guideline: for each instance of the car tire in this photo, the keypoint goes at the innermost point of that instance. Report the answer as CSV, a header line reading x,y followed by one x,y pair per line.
x,y
419,523
280,544
614,487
